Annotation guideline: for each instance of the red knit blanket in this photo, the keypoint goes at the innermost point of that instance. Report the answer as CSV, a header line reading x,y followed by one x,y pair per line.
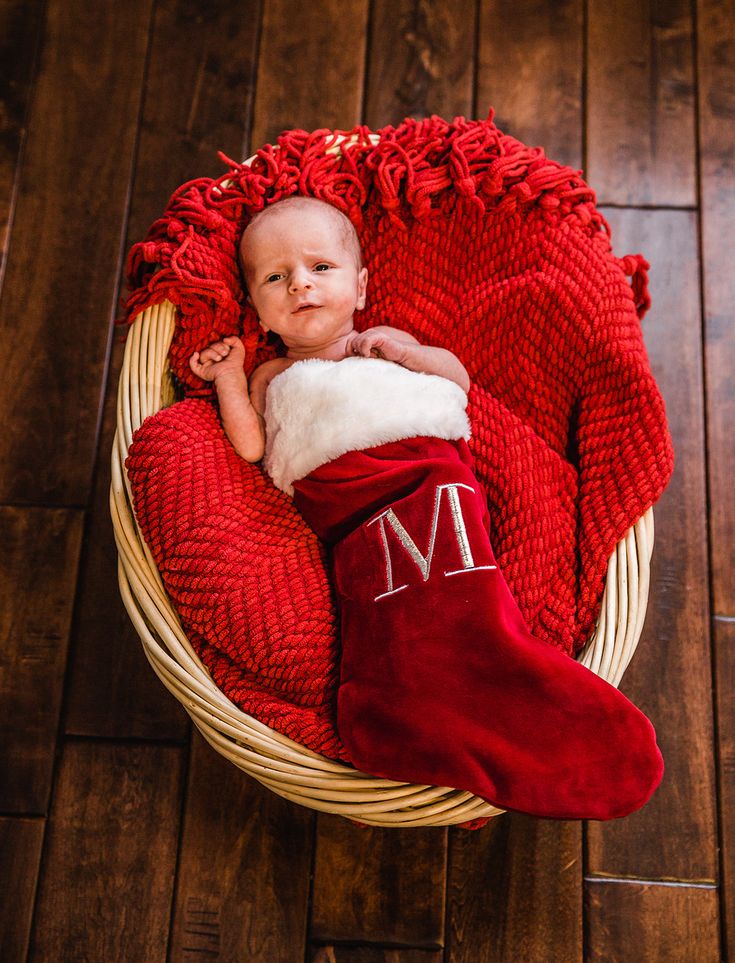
x,y
473,242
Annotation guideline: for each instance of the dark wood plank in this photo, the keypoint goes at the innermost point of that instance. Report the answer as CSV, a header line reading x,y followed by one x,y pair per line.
x,y
724,641
651,922
381,885
373,954
311,67
716,52
20,854
107,874
515,891
640,103
41,548
674,836
59,290
20,28
530,71
243,880
421,60
198,96
111,688
716,73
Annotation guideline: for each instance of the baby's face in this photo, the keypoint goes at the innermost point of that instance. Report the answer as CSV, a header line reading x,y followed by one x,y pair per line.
x,y
302,277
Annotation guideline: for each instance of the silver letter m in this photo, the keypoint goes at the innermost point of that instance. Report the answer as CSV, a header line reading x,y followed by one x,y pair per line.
x,y
423,562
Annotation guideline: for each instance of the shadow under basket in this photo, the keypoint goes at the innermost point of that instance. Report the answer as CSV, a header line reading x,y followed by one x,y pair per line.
x,y
284,766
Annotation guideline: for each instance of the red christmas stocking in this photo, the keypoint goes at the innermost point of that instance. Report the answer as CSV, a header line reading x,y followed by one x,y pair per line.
x,y
441,681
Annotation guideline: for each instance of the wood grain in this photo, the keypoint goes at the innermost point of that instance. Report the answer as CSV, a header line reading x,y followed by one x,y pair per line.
x,y
421,60
373,954
59,290
515,891
382,885
716,100
724,641
675,835
530,70
107,880
716,52
243,880
651,922
311,67
20,854
111,689
640,103
40,548
199,93
20,28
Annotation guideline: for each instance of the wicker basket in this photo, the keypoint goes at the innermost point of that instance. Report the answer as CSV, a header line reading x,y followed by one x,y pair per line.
x,y
282,765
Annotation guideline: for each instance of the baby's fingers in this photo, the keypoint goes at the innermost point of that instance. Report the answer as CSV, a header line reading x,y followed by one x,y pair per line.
x,y
363,343
237,348
215,352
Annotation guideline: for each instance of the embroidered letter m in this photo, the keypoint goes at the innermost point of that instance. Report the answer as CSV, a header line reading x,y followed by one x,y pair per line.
x,y
423,562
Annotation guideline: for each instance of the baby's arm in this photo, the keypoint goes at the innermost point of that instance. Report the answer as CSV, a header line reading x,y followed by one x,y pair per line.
x,y
222,363
401,347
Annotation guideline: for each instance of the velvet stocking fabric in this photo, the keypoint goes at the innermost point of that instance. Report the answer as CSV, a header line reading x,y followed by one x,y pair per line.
x,y
441,681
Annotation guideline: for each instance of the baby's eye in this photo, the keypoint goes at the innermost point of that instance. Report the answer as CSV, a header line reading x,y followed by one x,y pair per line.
x,y
272,277
321,266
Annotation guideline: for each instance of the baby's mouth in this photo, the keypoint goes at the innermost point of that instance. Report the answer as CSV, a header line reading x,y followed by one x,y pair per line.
x,y
305,307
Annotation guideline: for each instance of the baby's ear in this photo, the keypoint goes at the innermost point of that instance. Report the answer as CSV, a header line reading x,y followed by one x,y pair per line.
x,y
362,279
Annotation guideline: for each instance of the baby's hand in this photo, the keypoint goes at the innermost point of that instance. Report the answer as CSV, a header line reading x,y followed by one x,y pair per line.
x,y
220,358
376,344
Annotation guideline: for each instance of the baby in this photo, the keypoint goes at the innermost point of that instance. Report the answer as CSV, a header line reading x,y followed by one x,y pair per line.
x,y
303,267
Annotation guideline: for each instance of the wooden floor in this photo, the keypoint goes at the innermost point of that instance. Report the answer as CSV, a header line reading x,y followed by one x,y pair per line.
x,y
124,838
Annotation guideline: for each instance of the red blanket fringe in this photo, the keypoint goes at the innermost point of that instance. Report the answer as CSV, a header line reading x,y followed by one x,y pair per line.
x,y
189,255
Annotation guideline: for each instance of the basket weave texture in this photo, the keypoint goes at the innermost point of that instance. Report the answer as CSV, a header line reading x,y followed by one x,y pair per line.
x,y
146,385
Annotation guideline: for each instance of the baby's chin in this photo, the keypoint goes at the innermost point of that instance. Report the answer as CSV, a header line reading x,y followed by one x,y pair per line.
x,y
309,328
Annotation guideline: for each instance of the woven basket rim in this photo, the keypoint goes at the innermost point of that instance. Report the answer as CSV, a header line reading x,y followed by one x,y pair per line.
x,y
284,766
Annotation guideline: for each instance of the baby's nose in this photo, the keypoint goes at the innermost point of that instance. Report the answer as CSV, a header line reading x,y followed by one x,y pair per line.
x,y
300,280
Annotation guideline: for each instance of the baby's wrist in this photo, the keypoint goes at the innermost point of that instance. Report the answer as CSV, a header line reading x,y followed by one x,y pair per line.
x,y
403,355
229,378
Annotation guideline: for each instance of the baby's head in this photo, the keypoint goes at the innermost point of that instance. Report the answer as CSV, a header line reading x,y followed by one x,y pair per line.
x,y
293,213
303,268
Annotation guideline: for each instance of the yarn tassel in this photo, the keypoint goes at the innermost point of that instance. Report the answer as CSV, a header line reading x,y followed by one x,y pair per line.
x,y
636,267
